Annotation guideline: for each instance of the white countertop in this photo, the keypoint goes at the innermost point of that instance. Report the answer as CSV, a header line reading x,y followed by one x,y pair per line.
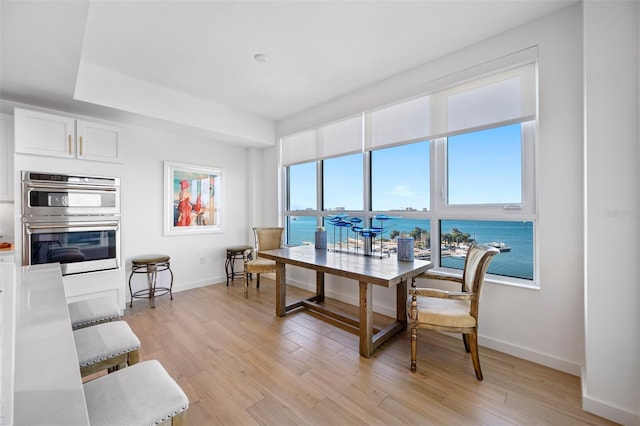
x,y
7,341
47,384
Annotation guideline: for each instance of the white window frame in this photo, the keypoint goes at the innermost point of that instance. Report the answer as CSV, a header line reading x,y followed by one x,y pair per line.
x,y
525,211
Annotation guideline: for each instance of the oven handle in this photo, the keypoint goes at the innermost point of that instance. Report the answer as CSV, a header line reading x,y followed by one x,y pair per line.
x,y
105,226
31,185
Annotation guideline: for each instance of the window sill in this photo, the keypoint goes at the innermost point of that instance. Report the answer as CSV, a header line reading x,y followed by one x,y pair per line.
x,y
491,279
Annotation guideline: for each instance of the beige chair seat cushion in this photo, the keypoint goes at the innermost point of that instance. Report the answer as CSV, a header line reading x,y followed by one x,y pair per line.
x,y
260,265
447,312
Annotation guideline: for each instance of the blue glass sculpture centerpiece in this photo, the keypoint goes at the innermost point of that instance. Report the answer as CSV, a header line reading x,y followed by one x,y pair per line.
x,y
364,239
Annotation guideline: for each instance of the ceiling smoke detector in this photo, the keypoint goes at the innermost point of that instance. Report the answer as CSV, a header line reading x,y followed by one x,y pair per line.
x,y
260,57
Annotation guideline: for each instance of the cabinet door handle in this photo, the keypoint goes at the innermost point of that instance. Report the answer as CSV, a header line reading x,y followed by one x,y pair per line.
x,y
70,144
80,146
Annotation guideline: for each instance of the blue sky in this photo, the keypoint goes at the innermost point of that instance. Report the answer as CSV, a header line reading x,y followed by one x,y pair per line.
x,y
484,167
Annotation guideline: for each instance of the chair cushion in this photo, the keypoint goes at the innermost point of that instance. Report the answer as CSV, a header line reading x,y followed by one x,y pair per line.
x,y
143,394
103,341
445,312
92,311
260,265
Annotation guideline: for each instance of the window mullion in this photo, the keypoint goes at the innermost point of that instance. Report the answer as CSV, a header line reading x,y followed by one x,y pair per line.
x,y
366,170
319,191
437,194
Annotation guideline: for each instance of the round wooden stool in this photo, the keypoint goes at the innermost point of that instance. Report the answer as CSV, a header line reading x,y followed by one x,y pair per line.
x,y
150,264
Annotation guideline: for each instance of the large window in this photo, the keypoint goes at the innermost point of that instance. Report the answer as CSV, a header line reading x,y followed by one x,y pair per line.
x,y
450,168
342,187
488,175
485,174
400,178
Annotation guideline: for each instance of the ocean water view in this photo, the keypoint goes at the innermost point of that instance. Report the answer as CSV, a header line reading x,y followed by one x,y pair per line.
x,y
514,237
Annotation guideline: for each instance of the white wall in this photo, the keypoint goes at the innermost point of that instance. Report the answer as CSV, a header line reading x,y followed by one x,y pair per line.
x,y
142,183
142,204
546,324
611,375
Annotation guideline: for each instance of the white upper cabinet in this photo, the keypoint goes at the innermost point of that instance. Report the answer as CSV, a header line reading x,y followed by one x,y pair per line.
x,y
44,134
97,141
58,136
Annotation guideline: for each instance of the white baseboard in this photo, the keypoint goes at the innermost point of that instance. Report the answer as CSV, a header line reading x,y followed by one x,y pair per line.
x,y
197,284
530,355
188,286
604,409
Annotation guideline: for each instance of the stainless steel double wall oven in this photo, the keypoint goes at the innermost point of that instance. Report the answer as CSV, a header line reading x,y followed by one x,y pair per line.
x,y
71,219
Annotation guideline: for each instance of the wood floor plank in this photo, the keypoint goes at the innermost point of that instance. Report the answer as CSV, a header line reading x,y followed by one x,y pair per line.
x,y
270,411
312,341
548,413
239,364
287,388
420,414
329,412
223,402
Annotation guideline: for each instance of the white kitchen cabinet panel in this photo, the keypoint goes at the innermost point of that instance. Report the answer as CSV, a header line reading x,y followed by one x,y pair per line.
x,y
44,134
53,135
98,142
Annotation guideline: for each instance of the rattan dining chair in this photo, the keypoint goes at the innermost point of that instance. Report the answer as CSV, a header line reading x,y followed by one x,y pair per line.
x,y
452,311
266,239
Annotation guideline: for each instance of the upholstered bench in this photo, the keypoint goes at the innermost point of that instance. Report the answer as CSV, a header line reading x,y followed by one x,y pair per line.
x,y
88,312
111,345
143,394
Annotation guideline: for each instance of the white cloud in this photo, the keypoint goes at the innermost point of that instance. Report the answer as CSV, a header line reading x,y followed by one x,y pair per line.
x,y
402,191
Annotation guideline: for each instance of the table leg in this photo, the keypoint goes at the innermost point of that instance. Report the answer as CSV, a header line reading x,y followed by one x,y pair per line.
x,y
366,319
281,289
320,286
401,304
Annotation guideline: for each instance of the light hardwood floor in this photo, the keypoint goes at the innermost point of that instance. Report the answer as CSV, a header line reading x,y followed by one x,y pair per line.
x,y
239,364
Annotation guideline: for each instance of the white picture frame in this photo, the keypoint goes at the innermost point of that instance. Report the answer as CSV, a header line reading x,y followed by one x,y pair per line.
x,y
193,199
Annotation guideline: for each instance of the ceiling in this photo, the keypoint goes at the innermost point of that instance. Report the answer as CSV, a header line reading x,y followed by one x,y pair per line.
x,y
189,65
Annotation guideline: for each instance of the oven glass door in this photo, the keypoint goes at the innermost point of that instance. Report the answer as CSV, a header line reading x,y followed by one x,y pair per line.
x,y
79,246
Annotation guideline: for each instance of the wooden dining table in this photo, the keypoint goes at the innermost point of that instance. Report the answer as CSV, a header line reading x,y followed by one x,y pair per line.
x,y
366,270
